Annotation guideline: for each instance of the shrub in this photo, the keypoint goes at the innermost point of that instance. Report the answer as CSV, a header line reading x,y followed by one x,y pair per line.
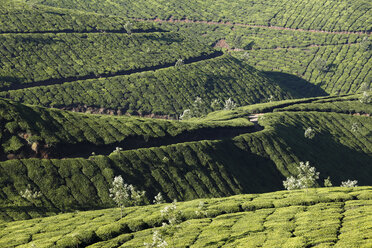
x,y
349,184
306,178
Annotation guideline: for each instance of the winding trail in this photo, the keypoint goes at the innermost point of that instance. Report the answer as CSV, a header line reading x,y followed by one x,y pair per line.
x,y
248,25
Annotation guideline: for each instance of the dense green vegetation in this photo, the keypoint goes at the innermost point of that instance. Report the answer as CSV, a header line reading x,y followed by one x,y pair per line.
x,y
248,38
40,57
165,91
338,217
23,127
250,162
292,58
348,66
313,14
19,17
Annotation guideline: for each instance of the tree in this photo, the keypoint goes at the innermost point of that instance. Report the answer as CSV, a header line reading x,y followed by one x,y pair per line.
x,y
366,44
349,183
198,107
125,194
159,199
327,182
355,127
179,63
216,105
202,210
172,217
366,98
30,194
309,133
187,114
229,104
157,241
128,27
306,177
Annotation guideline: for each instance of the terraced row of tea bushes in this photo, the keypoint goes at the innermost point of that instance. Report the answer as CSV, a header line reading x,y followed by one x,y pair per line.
x,y
252,162
335,69
294,226
247,38
164,91
343,106
321,216
184,171
335,146
40,57
22,126
19,17
321,15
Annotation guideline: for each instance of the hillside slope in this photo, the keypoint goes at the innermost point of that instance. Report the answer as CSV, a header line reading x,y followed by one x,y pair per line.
x,y
313,14
218,165
327,217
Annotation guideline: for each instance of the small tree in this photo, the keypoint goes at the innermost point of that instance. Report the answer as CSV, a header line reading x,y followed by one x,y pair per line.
x,y
309,133
366,98
366,44
157,241
199,108
202,210
30,194
159,199
305,179
172,217
229,104
349,183
125,194
216,105
179,63
187,114
355,127
128,27
327,182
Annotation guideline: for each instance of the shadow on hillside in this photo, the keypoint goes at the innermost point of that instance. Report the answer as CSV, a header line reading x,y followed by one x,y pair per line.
x,y
329,157
253,173
296,86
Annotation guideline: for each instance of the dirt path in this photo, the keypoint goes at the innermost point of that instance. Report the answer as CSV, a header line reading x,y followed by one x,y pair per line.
x,y
248,25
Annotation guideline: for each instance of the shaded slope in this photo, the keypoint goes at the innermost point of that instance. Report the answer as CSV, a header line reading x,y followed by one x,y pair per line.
x,y
251,162
49,133
328,217
165,91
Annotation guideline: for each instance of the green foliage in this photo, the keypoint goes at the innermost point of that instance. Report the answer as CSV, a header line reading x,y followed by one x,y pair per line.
x,y
48,58
166,91
289,13
307,219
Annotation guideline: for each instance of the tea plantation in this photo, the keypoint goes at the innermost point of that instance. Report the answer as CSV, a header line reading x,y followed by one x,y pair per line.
x,y
221,163
215,104
327,217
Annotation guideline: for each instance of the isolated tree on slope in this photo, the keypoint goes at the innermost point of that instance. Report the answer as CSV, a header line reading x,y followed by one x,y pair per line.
x,y
306,177
229,104
125,194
